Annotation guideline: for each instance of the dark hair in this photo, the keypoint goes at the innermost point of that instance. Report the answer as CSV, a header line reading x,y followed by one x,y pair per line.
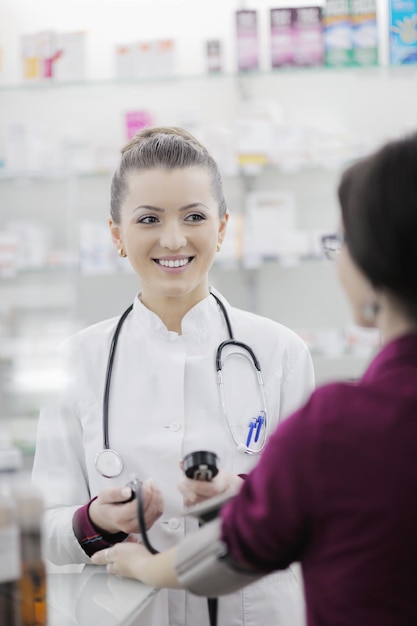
x,y
378,199
167,147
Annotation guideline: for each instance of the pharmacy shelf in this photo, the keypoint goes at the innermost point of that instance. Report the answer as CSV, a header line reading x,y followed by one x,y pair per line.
x,y
381,70
363,105
264,168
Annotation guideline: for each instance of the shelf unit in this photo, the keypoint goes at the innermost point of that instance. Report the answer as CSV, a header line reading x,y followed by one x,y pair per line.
x,y
367,105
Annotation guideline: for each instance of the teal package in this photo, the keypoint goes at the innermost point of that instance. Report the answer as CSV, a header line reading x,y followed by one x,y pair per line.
x,y
403,32
337,33
364,32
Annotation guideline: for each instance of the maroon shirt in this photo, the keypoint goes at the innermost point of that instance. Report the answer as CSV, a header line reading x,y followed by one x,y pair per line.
x,y
336,489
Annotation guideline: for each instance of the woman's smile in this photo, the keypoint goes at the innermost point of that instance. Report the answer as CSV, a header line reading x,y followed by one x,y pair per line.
x,y
175,263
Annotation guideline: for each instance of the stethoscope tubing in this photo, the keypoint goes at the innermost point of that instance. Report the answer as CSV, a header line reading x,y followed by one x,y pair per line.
x,y
109,370
113,465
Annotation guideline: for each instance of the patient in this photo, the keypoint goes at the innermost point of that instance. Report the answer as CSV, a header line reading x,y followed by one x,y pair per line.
x,y
336,485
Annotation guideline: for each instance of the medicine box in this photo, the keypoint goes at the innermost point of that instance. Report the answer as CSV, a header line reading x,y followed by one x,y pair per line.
x,y
70,58
337,33
29,57
247,41
364,32
214,60
282,36
308,36
124,61
403,32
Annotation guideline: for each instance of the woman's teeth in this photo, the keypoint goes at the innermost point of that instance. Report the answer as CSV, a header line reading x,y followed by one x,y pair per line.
x,y
177,263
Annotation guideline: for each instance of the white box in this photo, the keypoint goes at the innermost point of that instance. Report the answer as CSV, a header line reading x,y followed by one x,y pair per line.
x,y
70,59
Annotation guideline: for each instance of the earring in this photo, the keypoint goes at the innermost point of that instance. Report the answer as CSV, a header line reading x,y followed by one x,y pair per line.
x,y
370,310
121,253
218,247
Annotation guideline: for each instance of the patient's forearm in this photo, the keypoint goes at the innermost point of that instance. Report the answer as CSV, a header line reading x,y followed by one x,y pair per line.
x,y
203,567
199,564
159,570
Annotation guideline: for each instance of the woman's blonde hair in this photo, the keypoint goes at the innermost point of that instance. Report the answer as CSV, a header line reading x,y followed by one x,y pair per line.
x,y
167,147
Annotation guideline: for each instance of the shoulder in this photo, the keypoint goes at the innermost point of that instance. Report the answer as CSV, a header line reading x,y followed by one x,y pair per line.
x,y
327,397
90,338
332,407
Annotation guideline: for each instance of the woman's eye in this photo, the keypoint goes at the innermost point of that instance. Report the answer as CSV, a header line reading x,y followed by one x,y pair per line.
x,y
195,217
148,219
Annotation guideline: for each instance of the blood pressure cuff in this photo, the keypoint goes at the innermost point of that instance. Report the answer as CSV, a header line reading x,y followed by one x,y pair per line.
x,y
203,566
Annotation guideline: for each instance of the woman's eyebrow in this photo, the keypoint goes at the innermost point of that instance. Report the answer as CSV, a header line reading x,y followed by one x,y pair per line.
x,y
149,207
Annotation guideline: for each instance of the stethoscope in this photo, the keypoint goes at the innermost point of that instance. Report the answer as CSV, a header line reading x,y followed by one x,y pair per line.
x,y
109,463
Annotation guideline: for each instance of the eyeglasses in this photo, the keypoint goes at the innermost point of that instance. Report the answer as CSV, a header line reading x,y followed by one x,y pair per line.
x,y
332,245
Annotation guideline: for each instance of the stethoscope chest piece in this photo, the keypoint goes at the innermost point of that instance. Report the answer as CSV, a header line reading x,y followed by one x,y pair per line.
x,y
109,463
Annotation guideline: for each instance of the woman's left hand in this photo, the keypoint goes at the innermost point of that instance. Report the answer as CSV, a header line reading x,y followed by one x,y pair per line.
x,y
127,559
196,491
132,560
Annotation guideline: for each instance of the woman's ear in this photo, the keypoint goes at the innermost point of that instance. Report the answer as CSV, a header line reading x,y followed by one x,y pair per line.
x,y
115,232
223,227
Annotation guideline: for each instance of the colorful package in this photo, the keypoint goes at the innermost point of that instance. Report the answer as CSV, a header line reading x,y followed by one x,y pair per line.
x,y
308,36
364,32
337,33
403,32
247,40
282,37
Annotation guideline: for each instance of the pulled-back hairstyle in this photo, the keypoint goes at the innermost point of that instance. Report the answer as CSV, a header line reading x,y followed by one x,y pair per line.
x,y
163,147
378,199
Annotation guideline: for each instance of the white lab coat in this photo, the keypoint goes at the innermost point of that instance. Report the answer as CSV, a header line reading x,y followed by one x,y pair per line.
x,y
165,402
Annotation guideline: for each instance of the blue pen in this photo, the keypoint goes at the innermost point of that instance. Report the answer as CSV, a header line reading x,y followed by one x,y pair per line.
x,y
259,421
252,426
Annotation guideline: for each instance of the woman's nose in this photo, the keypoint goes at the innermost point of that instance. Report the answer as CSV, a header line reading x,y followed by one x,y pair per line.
x,y
173,237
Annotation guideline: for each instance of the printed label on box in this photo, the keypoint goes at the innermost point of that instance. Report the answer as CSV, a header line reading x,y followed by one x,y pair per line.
x,y
214,56
337,33
70,60
403,32
364,32
29,54
308,36
124,61
282,37
247,41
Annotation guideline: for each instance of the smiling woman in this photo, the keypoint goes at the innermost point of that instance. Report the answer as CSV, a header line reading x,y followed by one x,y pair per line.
x,y
168,215
170,228
168,218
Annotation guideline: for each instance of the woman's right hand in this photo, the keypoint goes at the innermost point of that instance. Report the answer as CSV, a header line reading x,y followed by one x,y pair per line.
x,y
111,512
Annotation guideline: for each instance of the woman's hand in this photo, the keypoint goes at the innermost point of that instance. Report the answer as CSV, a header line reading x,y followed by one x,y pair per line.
x,y
112,512
131,559
124,559
195,491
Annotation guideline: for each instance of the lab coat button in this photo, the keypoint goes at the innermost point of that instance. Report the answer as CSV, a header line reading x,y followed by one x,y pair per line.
x,y
175,427
173,523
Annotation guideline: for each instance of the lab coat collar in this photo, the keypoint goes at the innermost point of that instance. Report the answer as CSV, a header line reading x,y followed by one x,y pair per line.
x,y
197,324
